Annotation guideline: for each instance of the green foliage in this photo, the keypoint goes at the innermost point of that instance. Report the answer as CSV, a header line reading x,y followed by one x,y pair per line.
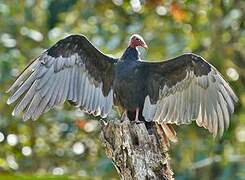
x,y
60,142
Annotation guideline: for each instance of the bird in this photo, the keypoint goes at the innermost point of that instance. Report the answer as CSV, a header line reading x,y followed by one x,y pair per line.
x,y
177,91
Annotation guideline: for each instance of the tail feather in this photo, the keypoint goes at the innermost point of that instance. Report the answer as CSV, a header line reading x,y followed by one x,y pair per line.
x,y
169,132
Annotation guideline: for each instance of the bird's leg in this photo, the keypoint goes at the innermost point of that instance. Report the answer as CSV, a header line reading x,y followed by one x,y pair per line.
x,y
124,115
137,115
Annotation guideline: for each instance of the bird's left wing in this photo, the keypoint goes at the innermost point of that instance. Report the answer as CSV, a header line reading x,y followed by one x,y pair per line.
x,y
74,70
187,88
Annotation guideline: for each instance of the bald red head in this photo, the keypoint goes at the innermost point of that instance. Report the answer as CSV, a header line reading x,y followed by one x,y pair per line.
x,y
137,40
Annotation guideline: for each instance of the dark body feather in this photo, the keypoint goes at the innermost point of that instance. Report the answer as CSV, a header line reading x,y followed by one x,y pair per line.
x,y
128,86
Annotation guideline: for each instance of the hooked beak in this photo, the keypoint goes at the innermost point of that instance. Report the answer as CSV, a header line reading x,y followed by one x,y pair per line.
x,y
145,46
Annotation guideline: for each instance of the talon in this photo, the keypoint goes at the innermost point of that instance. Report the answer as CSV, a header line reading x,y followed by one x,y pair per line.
x,y
137,121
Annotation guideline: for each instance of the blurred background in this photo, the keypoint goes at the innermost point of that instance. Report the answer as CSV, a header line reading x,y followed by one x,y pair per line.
x,y
64,143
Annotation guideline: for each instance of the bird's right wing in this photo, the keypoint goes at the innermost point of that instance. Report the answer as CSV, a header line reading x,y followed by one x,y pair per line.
x,y
188,88
74,70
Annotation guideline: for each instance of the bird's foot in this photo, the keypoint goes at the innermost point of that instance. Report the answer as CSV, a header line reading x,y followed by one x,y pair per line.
x,y
136,121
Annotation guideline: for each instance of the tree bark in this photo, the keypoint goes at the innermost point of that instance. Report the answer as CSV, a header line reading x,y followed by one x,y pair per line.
x,y
136,149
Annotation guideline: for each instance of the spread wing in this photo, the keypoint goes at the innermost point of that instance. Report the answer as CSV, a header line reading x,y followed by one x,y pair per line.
x,y
74,70
188,88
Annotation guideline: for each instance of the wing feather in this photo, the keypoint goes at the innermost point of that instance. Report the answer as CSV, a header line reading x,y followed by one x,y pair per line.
x,y
221,119
61,89
173,114
25,101
82,91
180,108
86,95
66,88
227,98
225,110
23,87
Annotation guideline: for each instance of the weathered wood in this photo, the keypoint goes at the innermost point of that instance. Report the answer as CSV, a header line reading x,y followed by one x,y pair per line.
x,y
135,150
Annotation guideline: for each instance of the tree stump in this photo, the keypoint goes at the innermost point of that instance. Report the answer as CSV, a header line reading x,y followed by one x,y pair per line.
x,y
135,149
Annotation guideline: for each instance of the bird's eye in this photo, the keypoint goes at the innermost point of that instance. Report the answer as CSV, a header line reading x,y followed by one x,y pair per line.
x,y
137,39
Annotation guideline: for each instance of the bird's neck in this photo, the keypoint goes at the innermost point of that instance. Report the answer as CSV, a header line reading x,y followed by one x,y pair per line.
x,y
130,54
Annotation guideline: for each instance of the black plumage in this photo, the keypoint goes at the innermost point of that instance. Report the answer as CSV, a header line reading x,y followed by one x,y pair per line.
x,y
128,86
175,91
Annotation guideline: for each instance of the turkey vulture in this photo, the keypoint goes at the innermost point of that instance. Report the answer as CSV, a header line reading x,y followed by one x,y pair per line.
x,y
174,91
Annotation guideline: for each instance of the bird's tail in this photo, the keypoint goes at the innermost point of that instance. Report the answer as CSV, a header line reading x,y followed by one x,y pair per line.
x,y
167,132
